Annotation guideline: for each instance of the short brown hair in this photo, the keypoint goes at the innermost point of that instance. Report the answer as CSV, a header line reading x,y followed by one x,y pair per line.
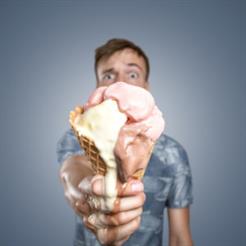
x,y
117,44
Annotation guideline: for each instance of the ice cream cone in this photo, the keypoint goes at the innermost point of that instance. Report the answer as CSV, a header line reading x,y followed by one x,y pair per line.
x,y
97,163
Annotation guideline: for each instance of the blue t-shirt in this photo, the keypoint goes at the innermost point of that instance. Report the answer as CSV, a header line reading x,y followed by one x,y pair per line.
x,y
167,183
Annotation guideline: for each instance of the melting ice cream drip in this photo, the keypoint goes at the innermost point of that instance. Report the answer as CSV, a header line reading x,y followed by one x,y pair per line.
x,y
102,124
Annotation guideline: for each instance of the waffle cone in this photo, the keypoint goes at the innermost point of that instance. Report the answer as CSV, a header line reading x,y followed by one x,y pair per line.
x,y
91,151
97,163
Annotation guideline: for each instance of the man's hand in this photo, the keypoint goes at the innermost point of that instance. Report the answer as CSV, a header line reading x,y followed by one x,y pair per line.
x,y
72,171
85,193
114,227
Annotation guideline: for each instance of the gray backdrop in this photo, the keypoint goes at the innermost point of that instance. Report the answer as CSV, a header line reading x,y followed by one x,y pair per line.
x,y
195,49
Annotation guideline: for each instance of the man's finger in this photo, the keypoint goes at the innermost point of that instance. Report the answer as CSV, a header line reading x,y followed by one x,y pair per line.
x,y
91,227
130,188
101,220
129,203
120,243
82,208
118,233
121,204
85,184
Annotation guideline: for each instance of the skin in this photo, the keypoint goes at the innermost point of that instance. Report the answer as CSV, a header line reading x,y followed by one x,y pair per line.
x,y
123,65
122,221
77,177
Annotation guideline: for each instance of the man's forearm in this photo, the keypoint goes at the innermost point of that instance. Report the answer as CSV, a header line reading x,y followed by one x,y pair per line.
x,y
179,227
180,241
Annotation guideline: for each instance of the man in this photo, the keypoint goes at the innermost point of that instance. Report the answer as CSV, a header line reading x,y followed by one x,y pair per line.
x,y
138,218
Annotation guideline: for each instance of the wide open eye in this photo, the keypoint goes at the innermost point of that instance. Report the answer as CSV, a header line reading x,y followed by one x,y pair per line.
x,y
133,75
108,76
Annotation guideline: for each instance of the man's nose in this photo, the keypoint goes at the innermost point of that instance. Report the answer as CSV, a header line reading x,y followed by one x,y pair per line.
x,y
120,77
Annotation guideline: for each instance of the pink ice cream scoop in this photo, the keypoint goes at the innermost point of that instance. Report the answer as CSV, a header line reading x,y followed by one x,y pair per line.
x,y
136,102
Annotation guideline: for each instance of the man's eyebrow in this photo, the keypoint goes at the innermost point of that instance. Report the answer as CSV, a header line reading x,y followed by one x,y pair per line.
x,y
108,70
134,65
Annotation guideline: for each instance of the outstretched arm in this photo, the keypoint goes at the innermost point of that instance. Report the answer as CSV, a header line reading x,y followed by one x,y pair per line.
x,y
110,228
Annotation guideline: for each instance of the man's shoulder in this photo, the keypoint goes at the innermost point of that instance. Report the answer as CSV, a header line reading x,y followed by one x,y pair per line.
x,y
167,144
171,153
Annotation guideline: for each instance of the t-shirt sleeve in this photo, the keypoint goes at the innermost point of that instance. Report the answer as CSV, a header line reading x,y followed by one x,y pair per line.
x,y
67,146
180,194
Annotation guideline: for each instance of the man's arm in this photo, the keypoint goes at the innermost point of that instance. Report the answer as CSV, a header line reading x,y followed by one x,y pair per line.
x,y
180,195
85,192
116,227
179,227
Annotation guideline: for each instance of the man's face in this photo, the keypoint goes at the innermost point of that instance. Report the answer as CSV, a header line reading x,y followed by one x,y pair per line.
x,y
124,65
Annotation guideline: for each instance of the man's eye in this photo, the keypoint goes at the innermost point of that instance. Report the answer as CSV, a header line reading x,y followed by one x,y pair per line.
x,y
133,75
108,76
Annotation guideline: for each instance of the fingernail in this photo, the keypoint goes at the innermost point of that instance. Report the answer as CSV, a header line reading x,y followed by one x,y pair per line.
x,y
96,178
92,219
137,186
124,185
97,184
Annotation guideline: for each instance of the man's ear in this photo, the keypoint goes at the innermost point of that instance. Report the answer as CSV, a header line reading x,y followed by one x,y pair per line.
x,y
146,85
